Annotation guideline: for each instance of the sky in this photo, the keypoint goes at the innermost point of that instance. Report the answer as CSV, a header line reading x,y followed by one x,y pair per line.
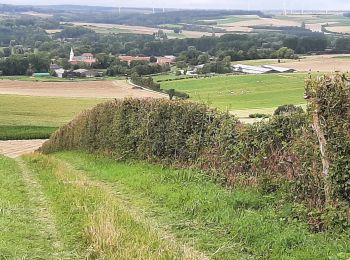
x,y
203,4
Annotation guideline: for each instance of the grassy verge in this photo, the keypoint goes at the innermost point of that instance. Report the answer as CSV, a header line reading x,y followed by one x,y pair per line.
x,y
20,231
25,132
241,223
92,222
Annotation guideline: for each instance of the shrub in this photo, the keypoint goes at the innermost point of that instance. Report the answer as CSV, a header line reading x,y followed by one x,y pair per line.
x,y
259,115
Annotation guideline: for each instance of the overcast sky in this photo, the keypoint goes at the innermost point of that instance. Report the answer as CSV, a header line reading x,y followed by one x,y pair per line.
x,y
223,4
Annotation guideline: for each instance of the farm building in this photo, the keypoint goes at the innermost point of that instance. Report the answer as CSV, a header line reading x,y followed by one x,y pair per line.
x,y
55,67
59,73
86,73
87,58
247,69
168,59
265,69
279,69
129,59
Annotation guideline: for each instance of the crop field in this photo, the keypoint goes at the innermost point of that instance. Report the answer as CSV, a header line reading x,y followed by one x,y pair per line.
x,y
244,23
319,63
78,89
117,28
26,117
100,208
244,92
40,111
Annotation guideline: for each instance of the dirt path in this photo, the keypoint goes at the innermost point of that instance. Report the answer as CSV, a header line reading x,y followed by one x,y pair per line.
x,y
79,89
16,148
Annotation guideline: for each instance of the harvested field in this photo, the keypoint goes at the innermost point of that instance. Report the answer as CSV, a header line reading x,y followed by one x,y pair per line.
x,y
245,26
321,63
43,15
339,29
139,29
14,149
86,89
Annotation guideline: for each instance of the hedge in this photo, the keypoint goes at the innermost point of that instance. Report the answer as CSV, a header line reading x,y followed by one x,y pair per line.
x,y
285,148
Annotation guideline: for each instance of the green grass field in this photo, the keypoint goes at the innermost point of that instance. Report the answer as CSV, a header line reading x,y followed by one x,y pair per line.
x,y
245,91
23,117
25,132
105,209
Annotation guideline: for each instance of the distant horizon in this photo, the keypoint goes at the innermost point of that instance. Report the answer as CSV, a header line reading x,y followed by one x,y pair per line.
x,y
258,5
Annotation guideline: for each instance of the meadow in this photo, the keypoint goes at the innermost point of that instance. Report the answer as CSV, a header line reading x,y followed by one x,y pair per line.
x,y
103,208
244,91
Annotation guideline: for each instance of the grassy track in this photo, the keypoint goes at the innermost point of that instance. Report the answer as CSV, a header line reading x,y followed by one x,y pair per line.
x,y
21,234
94,223
244,92
242,223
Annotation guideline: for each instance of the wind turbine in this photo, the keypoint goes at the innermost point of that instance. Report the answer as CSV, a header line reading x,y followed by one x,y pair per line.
x,y
153,8
302,8
284,7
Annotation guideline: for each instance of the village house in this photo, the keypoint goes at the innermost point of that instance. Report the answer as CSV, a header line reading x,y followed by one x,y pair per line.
x,y
87,58
129,59
160,60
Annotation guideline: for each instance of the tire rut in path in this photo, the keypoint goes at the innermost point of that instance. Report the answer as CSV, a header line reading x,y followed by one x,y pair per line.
x,y
40,209
138,214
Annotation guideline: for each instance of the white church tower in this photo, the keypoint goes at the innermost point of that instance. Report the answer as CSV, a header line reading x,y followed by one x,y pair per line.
x,y
71,56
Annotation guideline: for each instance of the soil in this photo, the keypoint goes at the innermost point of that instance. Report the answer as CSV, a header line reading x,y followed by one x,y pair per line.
x,y
14,149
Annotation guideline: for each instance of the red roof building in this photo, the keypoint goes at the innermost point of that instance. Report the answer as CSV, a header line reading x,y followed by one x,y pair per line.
x,y
87,58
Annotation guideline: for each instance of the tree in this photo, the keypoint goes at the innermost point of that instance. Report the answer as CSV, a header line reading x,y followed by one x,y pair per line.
x,y
39,62
153,59
181,64
14,65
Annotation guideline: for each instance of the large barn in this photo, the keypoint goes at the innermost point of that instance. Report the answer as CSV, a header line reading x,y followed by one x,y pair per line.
x,y
265,69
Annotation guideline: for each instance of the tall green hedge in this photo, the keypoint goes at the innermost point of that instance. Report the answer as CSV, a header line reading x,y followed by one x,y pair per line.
x,y
284,147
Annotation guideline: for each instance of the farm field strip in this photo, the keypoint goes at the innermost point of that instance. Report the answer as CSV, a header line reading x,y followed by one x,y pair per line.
x,y
82,89
141,30
41,111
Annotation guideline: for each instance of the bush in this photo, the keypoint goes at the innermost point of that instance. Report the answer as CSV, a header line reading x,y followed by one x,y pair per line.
x,y
288,109
259,115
